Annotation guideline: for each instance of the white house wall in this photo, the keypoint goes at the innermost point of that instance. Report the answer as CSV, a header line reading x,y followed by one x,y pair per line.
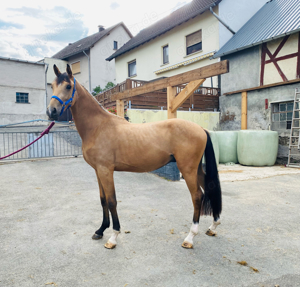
x,y
103,71
149,56
24,78
61,65
235,14
83,76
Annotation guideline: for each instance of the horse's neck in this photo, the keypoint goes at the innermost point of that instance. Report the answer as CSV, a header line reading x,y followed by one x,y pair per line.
x,y
87,113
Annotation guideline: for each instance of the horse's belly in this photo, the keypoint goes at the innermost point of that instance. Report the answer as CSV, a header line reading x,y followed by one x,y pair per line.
x,y
142,162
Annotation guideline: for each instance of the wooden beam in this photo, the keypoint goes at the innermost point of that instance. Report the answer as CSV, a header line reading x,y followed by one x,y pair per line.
x,y
244,111
200,73
189,89
120,108
171,93
263,87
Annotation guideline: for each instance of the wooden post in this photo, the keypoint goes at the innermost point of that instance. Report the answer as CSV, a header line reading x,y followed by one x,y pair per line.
x,y
189,89
120,108
128,84
244,111
171,93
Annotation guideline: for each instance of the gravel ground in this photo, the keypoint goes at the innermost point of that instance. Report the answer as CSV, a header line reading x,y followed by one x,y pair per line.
x,y
49,209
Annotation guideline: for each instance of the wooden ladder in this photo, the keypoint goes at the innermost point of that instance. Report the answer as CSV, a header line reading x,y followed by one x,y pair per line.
x,y
294,145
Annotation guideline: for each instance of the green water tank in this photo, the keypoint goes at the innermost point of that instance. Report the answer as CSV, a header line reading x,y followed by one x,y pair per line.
x,y
214,140
257,147
227,146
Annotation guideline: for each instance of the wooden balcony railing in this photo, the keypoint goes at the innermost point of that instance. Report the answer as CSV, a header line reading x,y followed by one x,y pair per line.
x,y
203,99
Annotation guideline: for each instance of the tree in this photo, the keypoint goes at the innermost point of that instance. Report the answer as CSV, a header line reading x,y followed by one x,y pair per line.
x,y
98,89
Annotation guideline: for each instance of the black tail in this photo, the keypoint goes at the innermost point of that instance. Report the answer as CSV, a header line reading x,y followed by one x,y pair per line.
x,y
211,201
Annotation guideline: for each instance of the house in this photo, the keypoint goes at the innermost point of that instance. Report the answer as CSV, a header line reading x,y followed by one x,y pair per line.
x,y
87,56
22,90
264,60
184,40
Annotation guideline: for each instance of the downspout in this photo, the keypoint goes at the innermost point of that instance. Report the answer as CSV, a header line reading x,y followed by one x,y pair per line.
x,y
221,21
89,70
46,94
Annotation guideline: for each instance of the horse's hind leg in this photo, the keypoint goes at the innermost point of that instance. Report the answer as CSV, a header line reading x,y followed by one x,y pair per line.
x,y
212,229
107,185
196,193
105,223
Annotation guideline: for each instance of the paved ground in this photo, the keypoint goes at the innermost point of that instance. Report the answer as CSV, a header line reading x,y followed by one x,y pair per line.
x,y
49,210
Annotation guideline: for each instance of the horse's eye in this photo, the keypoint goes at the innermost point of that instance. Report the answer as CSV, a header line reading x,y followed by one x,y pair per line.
x,y
69,87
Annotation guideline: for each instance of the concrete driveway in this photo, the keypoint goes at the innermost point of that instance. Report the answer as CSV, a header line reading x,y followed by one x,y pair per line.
x,y
49,209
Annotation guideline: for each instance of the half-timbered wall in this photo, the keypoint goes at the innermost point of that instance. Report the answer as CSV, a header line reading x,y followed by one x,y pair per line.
x,y
280,60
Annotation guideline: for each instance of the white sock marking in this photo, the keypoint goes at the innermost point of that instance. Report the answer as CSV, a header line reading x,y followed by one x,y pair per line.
x,y
113,238
214,225
193,232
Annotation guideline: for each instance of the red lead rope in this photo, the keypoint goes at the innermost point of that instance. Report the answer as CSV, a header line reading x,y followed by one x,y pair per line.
x,y
45,132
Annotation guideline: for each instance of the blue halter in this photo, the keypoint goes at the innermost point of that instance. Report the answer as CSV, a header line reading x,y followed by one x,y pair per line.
x,y
69,101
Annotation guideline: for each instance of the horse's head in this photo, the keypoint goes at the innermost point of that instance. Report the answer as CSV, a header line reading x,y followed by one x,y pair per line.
x,y
63,88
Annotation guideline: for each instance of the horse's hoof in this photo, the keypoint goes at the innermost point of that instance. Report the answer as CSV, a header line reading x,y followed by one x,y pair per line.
x,y
211,233
110,245
97,236
187,245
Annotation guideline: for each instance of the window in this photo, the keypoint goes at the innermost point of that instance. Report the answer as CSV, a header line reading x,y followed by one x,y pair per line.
x,y
282,114
194,42
166,54
115,45
132,69
76,68
22,98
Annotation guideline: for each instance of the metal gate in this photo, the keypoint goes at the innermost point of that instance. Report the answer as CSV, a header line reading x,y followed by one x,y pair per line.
x,y
58,143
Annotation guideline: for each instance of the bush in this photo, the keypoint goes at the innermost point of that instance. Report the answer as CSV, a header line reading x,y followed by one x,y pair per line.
x,y
97,90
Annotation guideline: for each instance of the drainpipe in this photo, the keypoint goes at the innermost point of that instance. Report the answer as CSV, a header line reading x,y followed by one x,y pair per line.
x,y
46,95
89,70
221,21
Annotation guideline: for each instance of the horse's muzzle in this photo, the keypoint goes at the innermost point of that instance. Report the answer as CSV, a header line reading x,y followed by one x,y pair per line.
x,y
52,114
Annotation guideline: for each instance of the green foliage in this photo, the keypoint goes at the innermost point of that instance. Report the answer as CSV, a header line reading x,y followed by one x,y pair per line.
x,y
98,89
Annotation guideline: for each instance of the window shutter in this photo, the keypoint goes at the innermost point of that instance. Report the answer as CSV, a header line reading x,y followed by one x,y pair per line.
x,y
194,38
76,67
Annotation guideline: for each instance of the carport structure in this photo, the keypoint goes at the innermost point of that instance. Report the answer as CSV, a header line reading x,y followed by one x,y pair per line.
x,y
193,79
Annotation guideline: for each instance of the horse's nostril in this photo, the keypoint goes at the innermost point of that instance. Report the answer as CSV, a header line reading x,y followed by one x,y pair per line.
x,y
54,111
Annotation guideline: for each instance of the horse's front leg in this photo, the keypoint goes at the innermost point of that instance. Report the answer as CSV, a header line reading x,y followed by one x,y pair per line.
x,y
105,223
106,179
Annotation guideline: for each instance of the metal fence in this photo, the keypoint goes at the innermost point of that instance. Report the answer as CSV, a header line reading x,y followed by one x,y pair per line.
x,y
55,144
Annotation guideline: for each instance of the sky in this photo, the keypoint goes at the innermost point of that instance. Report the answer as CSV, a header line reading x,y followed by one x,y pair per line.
x,y
31,30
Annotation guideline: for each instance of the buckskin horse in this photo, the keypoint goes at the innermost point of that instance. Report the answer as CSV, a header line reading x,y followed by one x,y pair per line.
x,y
110,143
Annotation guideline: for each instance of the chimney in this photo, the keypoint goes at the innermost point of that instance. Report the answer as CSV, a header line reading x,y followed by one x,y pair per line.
x,y
101,28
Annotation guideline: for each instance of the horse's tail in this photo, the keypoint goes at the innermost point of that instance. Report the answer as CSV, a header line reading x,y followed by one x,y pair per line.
x,y
211,201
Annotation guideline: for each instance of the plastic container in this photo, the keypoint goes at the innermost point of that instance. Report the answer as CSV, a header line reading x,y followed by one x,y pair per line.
x,y
227,146
257,148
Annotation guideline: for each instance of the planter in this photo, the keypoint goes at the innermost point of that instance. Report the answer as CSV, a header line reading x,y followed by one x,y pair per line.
x,y
257,148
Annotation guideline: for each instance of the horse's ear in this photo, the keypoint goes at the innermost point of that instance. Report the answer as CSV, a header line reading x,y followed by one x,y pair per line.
x,y
56,71
69,71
